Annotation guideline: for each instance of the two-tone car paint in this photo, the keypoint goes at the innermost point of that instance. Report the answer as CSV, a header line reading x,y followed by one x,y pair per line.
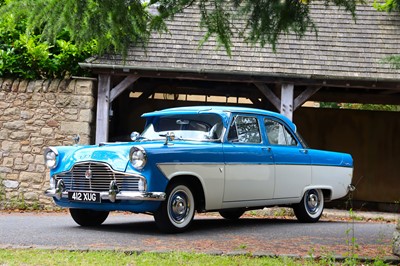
x,y
231,174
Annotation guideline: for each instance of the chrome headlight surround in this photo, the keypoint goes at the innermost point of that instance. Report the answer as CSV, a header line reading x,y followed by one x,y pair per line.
x,y
51,157
138,157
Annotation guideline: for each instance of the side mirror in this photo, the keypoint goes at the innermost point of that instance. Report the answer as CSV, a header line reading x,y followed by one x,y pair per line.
x,y
135,135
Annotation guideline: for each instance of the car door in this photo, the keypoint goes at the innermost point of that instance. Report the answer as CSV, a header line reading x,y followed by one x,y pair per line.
x,y
292,161
249,168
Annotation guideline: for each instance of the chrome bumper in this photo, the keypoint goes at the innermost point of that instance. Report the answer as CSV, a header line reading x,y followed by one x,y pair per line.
x,y
123,195
59,192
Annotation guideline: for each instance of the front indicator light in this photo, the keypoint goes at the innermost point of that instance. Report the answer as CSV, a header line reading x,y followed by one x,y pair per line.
x,y
142,184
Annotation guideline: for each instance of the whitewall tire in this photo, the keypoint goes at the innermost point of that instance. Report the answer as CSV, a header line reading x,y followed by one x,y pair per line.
x,y
310,209
177,211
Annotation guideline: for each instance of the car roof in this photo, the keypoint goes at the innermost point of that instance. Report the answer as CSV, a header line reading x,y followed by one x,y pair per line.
x,y
221,110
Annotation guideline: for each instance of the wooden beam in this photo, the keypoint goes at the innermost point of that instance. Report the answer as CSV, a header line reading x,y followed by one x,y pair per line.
x,y
122,86
269,95
354,97
304,96
303,80
287,100
103,108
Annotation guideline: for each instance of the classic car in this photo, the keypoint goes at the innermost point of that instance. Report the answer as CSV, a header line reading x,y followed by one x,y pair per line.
x,y
188,159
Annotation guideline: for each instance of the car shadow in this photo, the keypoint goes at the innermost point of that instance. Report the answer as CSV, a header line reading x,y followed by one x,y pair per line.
x,y
199,226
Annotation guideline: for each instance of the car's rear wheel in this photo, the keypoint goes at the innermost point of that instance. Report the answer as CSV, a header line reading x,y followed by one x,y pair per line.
x,y
177,211
310,209
85,217
232,214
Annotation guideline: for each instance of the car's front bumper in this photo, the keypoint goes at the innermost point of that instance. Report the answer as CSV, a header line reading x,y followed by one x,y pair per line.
x,y
122,195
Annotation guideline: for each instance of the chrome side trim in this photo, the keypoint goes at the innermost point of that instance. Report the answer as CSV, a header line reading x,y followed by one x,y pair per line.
x,y
122,195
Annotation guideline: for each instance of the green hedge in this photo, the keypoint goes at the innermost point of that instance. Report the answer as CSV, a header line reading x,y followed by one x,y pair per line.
x,y
28,57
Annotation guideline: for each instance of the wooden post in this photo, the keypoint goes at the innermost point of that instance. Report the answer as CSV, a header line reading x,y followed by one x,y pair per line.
x,y
103,108
287,100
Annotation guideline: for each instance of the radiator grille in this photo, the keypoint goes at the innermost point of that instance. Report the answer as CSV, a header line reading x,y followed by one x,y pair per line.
x,y
102,175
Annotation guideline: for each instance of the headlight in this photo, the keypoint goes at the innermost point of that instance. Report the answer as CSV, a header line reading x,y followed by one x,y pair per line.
x,y
50,157
138,157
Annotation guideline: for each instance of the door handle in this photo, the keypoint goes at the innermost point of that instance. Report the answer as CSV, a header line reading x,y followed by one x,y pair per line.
x,y
304,151
267,149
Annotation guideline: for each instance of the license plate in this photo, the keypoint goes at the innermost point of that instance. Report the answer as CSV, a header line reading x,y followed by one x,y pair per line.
x,y
83,196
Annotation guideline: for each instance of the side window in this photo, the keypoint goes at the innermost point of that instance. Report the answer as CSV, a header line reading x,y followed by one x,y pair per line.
x,y
278,134
244,129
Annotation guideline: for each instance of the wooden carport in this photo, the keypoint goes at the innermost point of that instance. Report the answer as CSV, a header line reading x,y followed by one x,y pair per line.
x,y
343,64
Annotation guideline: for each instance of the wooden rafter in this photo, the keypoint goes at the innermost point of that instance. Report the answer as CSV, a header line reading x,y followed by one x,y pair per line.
x,y
304,96
122,86
269,94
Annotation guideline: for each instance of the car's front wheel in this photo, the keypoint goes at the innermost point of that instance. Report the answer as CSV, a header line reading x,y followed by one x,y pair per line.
x,y
85,217
310,209
177,211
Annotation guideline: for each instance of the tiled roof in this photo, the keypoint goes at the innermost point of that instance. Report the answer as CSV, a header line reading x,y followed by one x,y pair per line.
x,y
344,49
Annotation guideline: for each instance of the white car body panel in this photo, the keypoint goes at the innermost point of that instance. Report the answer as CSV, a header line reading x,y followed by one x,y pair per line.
x,y
210,175
337,178
244,182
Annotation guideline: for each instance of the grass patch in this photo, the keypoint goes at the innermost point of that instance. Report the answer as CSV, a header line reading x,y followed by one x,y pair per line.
x,y
57,257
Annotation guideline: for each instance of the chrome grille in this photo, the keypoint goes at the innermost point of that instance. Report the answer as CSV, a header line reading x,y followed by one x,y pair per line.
x,y
102,175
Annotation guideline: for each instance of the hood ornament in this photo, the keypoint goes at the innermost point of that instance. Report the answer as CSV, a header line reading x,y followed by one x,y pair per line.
x,y
170,136
88,174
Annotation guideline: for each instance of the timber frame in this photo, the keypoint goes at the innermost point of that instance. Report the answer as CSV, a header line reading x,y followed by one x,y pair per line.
x,y
282,95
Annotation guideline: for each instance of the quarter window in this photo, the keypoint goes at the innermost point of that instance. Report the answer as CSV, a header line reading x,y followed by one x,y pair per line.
x,y
278,134
244,129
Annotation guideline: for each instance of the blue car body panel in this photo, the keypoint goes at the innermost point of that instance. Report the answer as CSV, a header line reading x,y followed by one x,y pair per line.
x,y
189,152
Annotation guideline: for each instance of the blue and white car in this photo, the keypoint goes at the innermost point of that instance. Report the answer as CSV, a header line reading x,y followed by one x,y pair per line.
x,y
188,159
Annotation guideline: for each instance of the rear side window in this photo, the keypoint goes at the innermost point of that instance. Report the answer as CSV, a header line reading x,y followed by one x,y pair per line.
x,y
244,129
278,134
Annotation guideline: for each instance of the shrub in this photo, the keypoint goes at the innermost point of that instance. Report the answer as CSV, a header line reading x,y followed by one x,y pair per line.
x,y
29,57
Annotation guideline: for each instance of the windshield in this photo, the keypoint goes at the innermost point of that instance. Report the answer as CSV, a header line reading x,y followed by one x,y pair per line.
x,y
200,127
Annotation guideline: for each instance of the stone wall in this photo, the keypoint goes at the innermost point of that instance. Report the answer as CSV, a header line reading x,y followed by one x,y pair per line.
x,y
396,240
34,115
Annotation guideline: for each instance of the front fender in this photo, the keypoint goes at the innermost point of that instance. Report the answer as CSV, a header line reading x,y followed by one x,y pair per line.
x,y
210,176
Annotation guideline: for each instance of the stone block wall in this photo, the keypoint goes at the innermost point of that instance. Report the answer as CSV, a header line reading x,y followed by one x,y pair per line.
x,y
34,115
396,240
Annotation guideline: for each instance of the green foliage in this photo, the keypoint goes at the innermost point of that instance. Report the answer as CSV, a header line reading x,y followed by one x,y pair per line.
x,y
47,38
26,55
115,25
370,107
112,25
389,6
393,60
360,106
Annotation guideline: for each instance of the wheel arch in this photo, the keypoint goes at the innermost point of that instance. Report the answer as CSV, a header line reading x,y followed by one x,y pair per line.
x,y
326,191
195,185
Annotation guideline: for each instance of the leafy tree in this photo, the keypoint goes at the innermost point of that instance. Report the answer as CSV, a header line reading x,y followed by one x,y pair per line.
x,y
117,24
26,56
390,6
43,35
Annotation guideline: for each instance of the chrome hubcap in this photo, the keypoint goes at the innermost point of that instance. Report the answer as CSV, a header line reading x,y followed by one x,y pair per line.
x,y
179,207
312,202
